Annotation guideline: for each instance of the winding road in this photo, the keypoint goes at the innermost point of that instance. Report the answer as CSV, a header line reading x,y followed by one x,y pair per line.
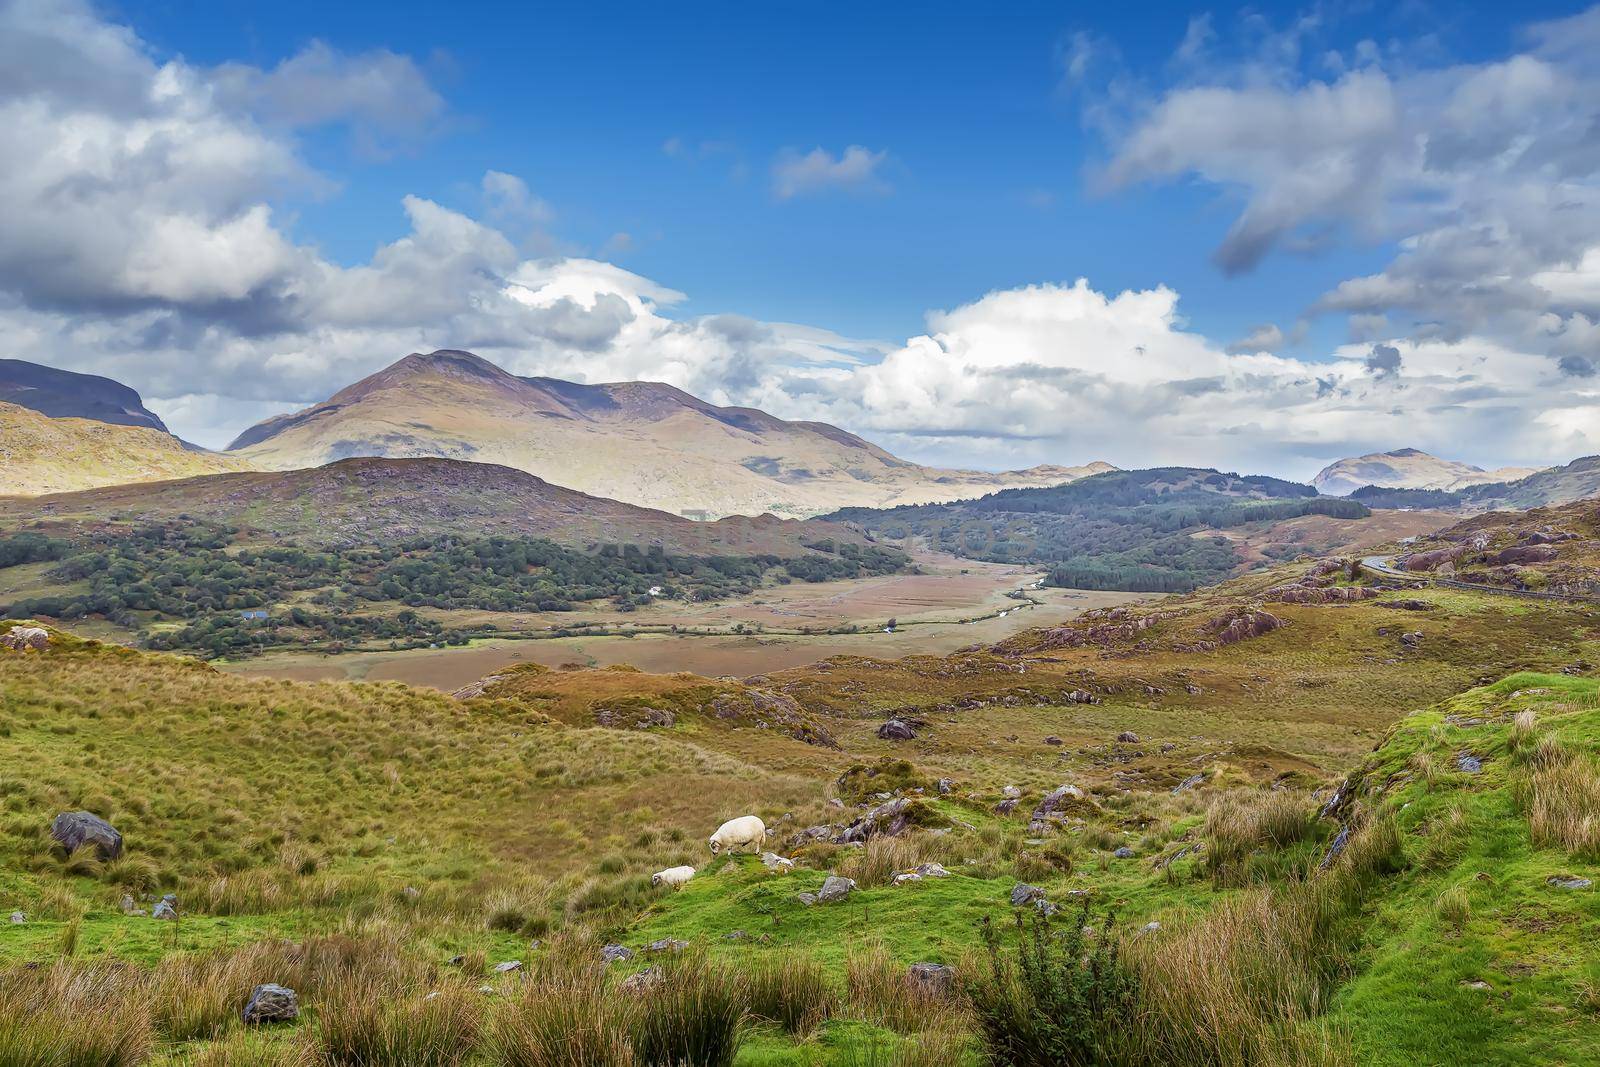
x,y
1384,568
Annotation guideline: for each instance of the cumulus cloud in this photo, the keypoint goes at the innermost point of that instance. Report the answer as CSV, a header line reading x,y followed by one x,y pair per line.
x,y
855,169
138,239
1484,177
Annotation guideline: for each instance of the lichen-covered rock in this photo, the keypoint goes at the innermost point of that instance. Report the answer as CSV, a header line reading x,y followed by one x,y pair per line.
x,y
271,1003
897,730
616,953
935,978
1062,799
834,888
74,829
25,639
1023,893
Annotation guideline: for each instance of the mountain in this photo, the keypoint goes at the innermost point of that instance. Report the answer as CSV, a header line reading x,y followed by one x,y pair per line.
x,y
640,442
65,394
1158,530
364,501
40,454
1407,468
1578,480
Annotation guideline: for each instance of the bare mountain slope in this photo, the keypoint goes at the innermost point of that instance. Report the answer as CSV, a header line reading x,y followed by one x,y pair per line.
x,y
1408,468
385,500
640,442
67,394
39,454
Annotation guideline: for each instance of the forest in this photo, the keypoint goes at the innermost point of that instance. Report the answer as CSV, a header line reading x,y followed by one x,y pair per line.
x,y
230,596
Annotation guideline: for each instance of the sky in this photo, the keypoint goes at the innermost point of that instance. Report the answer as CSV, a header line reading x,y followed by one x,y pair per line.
x,y
1256,238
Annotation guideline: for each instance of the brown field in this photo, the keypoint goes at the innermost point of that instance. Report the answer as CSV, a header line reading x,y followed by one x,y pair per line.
x,y
930,609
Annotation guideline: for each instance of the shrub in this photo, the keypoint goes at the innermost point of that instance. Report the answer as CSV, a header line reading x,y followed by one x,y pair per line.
x,y
1056,999
789,989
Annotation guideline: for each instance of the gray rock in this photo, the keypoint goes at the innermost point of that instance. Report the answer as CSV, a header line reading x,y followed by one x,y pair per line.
x,y
271,1004
614,953
1044,907
128,905
1123,853
807,899
1128,737
1469,763
1007,806
835,888
18,918
666,944
889,819
1150,927
1569,881
1023,893
508,966
643,981
897,730
1336,847
1057,799
1053,740
945,786
164,910
455,961
1188,783
735,935
74,829
932,977
774,862
1011,792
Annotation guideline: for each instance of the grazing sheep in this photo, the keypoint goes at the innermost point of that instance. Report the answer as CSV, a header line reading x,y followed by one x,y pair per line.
x,y
673,876
735,834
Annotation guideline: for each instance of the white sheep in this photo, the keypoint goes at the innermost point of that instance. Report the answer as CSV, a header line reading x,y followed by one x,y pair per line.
x,y
735,834
676,877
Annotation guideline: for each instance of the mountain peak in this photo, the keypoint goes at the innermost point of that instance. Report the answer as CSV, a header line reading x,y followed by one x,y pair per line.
x,y
1406,468
67,394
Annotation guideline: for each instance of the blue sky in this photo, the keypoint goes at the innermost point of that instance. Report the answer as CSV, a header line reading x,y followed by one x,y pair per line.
x,y
989,161
1305,230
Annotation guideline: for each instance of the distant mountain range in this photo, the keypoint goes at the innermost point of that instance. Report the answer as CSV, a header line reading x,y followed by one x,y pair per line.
x,y
1408,468
1577,480
639,442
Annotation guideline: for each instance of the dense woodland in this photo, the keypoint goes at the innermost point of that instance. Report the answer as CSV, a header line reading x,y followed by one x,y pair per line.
x,y
231,597
1126,530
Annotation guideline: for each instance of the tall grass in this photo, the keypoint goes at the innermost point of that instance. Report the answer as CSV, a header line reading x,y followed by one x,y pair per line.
x,y
1237,827
1562,796
880,990
72,1015
790,989
360,1022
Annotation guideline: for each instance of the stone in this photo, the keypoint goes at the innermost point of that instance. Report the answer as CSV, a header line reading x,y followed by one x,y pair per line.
x,y
18,918
1411,640
634,718
934,978
615,953
1058,799
1011,792
945,786
26,639
271,1003
1150,927
1188,783
1053,740
127,905
455,961
411,892
642,981
735,935
1469,763
164,910
1560,881
74,829
835,888
897,730
776,863
1023,893
1336,847
1128,737
1123,853
889,819
486,990
666,944
508,966
1007,806
1044,907
807,899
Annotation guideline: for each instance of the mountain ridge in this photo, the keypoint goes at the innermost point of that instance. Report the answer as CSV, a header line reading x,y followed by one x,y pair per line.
x,y
58,393
1408,468
645,443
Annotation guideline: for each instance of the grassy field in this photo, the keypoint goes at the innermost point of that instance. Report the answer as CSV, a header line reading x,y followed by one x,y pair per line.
x,y
350,839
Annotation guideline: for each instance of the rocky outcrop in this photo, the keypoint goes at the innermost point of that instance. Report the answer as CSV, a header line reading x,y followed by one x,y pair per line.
x,y
1306,593
74,829
1244,625
634,717
1525,554
897,730
271,1003
26,639
1432,560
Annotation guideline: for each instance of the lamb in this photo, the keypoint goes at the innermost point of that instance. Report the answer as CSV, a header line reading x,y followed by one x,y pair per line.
x,y
676,877
747,831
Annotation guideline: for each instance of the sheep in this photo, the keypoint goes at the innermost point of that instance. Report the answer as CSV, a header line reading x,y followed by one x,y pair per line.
x,y
735,834
676,877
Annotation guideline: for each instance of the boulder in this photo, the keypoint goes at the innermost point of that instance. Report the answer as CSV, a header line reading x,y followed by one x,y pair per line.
x,y
934,978
616,953
1123,853
776,863
1244,625
271,1003
1527,554
897,730
1560,881
164,910
1007,806
1011,792
1128,737
835,888
1063,798
25,639
889,819
945,786
1411,640
1053,740
643,981
74,829
18,918
508,966
666,944
1022,894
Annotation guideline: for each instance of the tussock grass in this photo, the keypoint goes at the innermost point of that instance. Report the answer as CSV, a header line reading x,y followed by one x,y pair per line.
x,y
362,1022
72,1015
1563,800
1238,826
789,989
878,989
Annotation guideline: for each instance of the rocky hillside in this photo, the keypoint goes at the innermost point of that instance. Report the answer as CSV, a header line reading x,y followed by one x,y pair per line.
x,y
639,442
1578,480
364,501
64,394
40,454
1407,468
1552,550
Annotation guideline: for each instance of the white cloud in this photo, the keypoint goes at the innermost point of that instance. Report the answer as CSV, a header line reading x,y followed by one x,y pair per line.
x,y
1264,338
799,174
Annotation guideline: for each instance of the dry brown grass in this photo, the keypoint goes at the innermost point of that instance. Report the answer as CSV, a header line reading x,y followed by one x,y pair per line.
x,y
1239,825
1562,796
878,989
